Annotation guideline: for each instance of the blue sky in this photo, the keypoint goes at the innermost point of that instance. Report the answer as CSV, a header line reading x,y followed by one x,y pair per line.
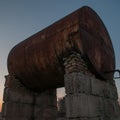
x,y
20,19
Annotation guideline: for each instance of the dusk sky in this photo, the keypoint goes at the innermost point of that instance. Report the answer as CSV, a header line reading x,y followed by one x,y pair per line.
x,y
20,19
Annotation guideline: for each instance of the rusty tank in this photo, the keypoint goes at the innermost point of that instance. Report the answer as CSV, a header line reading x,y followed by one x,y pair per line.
x,y
37,61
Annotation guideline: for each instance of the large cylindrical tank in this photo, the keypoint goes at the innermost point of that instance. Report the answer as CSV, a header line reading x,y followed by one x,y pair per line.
x,y
37,61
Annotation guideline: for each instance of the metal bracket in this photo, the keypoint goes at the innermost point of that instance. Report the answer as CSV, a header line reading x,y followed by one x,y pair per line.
x,y
113,71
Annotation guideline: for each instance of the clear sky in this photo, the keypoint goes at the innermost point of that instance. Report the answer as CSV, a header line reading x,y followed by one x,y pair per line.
x,y
20,19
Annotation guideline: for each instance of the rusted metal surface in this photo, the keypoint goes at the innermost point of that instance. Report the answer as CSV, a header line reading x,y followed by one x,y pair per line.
x,y
37,61
97,44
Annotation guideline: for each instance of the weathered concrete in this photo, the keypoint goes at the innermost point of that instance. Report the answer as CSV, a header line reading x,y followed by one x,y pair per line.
x,y
45,107
88,98
22,104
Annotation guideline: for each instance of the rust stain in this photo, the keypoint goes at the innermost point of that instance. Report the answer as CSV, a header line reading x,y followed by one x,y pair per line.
x,y
37,61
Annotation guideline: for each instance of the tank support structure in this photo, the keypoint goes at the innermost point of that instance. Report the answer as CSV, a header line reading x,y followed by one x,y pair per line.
x,y
22,104
88,98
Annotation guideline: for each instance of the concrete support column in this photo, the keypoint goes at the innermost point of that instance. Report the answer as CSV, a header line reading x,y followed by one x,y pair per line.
x,y
18,101
45,107
88,98
23,104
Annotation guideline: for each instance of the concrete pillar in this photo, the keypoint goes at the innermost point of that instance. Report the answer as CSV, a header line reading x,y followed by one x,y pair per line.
x,y
46,105
22,104
88,98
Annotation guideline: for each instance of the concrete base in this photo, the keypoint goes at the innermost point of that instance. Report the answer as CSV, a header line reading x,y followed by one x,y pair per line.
x,y
89,98
23,104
